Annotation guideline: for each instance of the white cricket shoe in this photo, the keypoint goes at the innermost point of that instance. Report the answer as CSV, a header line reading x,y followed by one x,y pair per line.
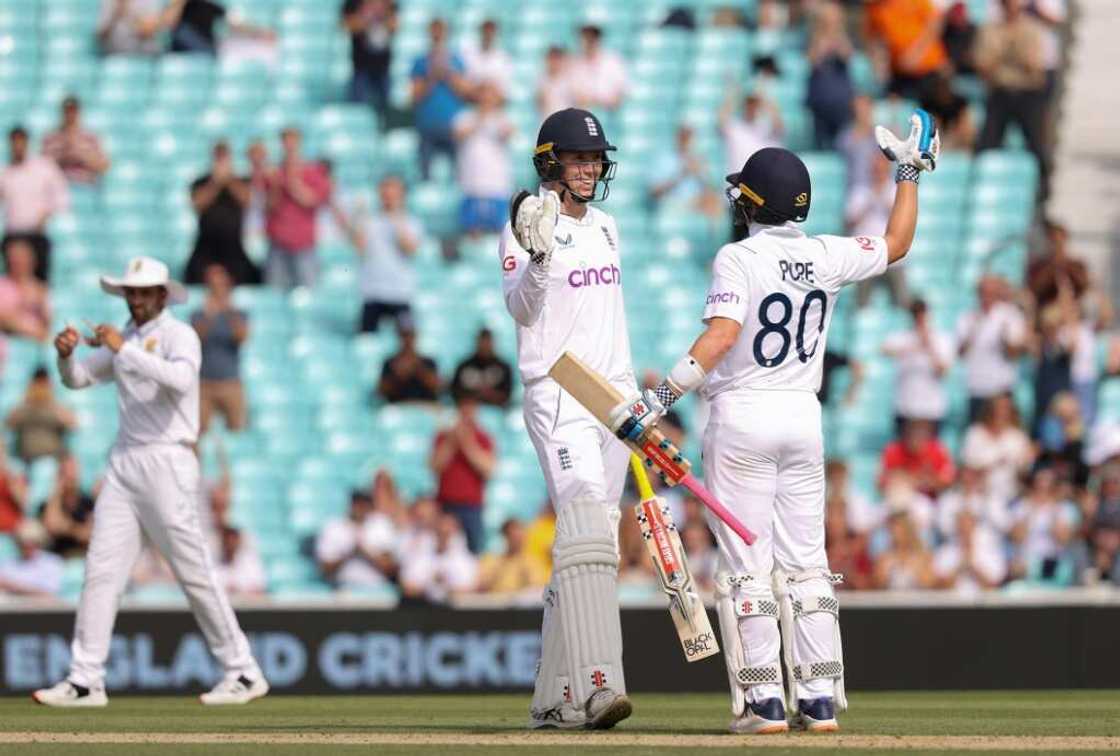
x,y
766,717
606,708
68,695
562,717
235,690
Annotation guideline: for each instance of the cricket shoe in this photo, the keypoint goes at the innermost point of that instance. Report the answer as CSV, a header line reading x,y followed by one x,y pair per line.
x,y
236,689
816,715
68,695
562,717
606,708
766,717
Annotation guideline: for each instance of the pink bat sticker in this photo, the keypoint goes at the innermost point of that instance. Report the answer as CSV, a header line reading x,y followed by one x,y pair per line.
x,y
711,502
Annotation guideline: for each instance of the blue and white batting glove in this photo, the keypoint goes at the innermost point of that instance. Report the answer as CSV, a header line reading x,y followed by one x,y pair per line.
x,y
632,418
920,150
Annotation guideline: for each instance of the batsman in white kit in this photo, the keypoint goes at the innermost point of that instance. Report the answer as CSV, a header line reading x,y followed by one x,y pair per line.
x,y
562,282
759,365
151,486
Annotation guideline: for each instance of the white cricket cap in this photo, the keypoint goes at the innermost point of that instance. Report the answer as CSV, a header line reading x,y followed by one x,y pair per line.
x,y
142,273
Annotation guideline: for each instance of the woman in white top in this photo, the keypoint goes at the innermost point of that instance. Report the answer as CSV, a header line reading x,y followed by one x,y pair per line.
x,y
998,445
924,355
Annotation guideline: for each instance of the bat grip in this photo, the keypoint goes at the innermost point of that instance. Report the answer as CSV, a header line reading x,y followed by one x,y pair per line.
x,y
705,496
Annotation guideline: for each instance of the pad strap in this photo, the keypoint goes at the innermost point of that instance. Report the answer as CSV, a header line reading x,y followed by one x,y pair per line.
x,y
819,603
756,607
764,673
833,668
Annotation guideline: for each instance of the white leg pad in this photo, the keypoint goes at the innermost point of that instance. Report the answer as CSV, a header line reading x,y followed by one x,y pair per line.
x,y
811,632
585,566
552,688
748,623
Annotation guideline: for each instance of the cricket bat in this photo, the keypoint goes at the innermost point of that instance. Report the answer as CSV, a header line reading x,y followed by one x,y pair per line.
x,y
599,397
667,552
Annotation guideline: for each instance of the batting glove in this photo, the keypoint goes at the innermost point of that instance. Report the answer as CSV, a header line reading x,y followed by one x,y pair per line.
x,y
630,419
533,219
921,148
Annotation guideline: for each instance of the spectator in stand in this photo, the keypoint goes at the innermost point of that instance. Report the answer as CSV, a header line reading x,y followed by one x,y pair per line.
x,y
482,134
1043,530
1104,530
134,27
972,493
387,499
221,199
907,564
514,569
554,88
372,24
867,212
990,340
439,92
32,189
387,243
857,143
924,356
846,547
921,454
222,329
540,535
442,572
195,30
1010,58
486,61
419,532
484,375
40,422
972,559
760,125
13,493
679,179
959,39
1054,344
910,30
1062,433
25,306
409,376
75,150
830,85
296,190
462,460
67,514
597,76
952,113
36,573
1049,272
997,445
238,566
357,551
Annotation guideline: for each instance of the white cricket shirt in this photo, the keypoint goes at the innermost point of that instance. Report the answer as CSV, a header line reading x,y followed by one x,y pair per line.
x,y
575,306
156,372
781,286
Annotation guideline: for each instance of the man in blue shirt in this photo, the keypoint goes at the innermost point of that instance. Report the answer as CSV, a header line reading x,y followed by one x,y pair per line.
x,y
439,92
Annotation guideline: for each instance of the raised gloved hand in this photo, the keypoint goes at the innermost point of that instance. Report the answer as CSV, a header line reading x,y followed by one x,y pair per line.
x,y
630,419
919,150
533,219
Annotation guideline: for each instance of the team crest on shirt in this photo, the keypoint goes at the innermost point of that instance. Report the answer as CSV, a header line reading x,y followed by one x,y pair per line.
x,y
150,344
610,239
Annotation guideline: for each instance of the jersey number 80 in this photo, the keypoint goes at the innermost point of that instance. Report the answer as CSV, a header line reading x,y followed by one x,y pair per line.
x,y
779,327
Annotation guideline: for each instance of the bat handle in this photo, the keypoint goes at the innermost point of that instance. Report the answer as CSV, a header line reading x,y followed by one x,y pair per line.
x,y
711,502
645,491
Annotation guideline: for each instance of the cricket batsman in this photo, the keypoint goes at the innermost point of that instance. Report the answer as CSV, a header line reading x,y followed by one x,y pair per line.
x,y
562,282
759,364
151,486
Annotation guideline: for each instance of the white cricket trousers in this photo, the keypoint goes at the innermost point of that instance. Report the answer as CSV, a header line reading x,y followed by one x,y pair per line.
x,y
151,490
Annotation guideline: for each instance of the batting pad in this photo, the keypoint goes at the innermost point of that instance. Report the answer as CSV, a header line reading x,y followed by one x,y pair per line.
x,y
585,565
811,630
552,684
748,625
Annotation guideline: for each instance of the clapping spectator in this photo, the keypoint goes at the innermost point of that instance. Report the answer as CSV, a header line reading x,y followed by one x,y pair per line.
x,y
959,38
486,61
1056,269
75,150
910,30
867,212
907,563
67,514
991,339
296,190
1062,434
484,375
997,445
482,134
922,455
830,85
13,493
679,179
1104,528
972,560
133,27
40,422
439,91
222,329
195,29
758,125
514,569
372,24
36,572
1010,58
1060,336
1043,530
446,570
408,376
25,307
221,200
972,493
462,460
554,89
238,566
924,355
32,189
357,551
857,143
597,76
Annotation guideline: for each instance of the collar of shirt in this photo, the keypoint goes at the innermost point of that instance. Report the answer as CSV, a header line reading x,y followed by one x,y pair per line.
x,y
148,327
786,229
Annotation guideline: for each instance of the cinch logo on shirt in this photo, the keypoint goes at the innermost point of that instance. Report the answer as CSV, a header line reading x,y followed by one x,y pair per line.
x,y
724,297
606,275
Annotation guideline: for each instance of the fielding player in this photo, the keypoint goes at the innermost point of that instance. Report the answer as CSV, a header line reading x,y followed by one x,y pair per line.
x,y
562,282
759,362
151,486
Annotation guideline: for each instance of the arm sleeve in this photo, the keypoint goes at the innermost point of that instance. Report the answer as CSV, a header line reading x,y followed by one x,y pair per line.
x,y
524,286
728,293
855,258
177,371
77,374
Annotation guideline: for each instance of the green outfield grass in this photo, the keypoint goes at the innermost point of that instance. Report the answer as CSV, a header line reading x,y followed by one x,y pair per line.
x,y
494,724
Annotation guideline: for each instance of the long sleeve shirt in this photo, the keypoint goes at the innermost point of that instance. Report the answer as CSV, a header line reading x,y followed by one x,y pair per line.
x,y
157,374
